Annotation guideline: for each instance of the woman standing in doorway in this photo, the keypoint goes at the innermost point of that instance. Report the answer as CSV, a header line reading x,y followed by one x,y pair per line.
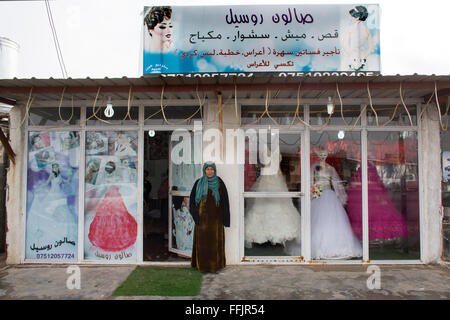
x,y
209,208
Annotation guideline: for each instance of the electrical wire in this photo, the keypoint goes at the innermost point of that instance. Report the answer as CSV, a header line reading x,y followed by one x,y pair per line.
x,y
55,40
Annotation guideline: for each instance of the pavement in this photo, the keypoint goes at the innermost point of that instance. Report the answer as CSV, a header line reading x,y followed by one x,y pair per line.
x,y
238,282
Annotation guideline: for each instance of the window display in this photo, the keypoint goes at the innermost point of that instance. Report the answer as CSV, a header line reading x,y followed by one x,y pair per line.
x,y
393,191
268,219
273,222
445,194
52,198
111,196
332,236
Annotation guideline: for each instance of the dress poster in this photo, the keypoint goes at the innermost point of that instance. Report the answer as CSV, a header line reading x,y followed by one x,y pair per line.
x,y
110,229
52,196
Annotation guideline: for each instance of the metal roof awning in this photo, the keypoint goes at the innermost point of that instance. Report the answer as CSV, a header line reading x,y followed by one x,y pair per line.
x,y
14,91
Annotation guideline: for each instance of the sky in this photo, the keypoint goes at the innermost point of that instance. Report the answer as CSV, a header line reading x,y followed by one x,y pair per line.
x,y
102,38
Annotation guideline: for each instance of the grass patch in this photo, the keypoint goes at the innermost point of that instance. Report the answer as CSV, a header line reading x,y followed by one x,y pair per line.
x,y
161,281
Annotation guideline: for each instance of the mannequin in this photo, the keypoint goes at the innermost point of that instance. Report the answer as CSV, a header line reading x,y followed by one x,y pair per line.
x,y
270,219
331,233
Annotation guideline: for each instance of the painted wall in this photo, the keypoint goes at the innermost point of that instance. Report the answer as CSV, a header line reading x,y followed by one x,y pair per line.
x,y
430,157
14,209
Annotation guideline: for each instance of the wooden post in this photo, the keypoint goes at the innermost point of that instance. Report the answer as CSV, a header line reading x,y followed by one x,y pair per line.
x,y
220,106
7,146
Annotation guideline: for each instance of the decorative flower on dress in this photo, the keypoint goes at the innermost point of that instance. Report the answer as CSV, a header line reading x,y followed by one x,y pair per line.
x,y
316,191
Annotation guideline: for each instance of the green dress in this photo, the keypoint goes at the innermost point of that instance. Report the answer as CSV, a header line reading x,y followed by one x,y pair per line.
x,y
208,250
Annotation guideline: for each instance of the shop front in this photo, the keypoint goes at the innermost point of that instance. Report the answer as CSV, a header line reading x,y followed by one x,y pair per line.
x,y
305,160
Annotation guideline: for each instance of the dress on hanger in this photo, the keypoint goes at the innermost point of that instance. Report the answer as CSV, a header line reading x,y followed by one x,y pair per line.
x,y
271,219
331,233
385,221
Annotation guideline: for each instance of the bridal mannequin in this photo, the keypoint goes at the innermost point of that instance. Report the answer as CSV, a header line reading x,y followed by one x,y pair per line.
x,y
274,220
331,233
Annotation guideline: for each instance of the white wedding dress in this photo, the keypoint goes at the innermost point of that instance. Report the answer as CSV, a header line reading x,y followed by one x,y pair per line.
x,y
271,219
332,236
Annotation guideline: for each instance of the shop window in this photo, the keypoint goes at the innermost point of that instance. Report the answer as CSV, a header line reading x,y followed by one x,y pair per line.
x,y
174,115
391,115
393,195
121,116
322,115
277,115
336,206
110,230
445,148
52,196
49,116
272,205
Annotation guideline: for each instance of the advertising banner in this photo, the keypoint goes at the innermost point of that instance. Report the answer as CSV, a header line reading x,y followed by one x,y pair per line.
x,y
244,40
110,216
52,196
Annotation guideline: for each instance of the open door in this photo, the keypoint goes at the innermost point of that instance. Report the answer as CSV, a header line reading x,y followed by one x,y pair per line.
x,y
184,170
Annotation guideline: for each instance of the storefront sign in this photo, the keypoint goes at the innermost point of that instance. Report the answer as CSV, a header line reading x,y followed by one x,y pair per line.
x,y
242,40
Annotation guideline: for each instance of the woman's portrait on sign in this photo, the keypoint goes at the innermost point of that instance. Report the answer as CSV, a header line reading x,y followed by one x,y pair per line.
x,y
158,29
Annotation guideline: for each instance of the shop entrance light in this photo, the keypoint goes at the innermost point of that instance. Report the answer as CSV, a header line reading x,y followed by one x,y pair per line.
x,y
109,111
330,106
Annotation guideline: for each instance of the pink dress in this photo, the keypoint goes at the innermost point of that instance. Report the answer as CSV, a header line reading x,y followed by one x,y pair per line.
x,y
385,221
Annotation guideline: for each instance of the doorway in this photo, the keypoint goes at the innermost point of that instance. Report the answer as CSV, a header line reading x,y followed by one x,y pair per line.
x,y
167,223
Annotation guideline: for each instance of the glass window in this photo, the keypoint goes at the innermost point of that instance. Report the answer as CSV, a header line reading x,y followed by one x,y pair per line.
x,y
52,196
39,116
393,189
260,162
273,222
319,115
391,115
283,115
120,116
445,148
111,196
336,206
174,115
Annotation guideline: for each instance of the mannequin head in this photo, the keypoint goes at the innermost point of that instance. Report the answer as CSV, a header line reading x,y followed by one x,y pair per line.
x,y
322,153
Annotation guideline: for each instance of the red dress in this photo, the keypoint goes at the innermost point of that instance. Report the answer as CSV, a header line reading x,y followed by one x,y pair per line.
x,y
113,228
